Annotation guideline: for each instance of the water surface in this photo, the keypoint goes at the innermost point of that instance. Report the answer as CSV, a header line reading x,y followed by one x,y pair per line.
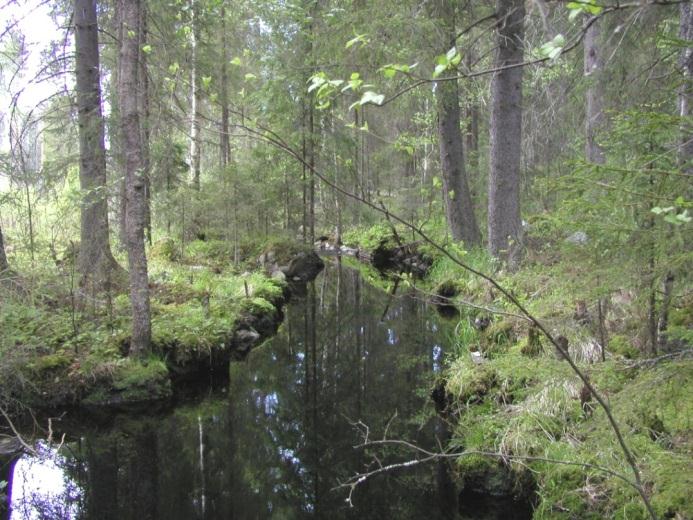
x,y
279,437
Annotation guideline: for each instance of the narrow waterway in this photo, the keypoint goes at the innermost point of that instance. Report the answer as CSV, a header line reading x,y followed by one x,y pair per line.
x,y
281,435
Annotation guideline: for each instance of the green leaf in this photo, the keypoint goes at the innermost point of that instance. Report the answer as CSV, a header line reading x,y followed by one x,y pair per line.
x,y
249,76
371,97
147,49
439,70
359,38
684,217
442,60
236,61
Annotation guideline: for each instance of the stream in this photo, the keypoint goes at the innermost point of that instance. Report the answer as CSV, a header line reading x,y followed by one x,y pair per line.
x,y
278,438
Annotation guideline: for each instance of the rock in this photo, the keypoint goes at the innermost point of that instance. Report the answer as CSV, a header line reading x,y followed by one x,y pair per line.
x,y
278,275
9,446
477,358
304,267
481,323
245,339
579,238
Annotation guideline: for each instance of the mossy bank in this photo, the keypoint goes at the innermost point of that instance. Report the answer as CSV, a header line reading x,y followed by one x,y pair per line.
x,y
521,420
205,312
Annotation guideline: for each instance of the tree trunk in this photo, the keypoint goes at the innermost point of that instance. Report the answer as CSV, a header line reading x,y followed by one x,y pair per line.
x,y
194,103
686,90
458,201
224,142
594,103
96,264
504,220
145,122
4,265
135,181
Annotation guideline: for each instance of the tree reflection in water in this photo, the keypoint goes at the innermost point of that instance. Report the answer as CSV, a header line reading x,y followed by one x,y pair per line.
x,y
280,438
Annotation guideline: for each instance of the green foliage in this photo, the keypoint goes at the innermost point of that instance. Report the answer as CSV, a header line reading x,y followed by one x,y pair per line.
x,y
622,346
165,249
369,238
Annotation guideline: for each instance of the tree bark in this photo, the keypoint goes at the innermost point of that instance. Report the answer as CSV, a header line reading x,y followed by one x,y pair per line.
x,y
96,264
594,102
504,220
194,102
686,90
459,210
135,181
4,265
145,133
224,142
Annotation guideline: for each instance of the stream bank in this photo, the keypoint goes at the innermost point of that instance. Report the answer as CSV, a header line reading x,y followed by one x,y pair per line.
x,y
508,394
203,317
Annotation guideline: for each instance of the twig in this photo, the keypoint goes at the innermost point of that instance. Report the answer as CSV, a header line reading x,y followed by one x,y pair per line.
x,y
18,436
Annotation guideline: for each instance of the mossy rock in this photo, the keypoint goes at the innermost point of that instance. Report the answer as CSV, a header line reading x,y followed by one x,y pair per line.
x,y
257,306
448,289
165,249
132,381
476,384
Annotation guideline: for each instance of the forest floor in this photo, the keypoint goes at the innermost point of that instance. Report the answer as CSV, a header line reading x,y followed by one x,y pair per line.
x,y
506,391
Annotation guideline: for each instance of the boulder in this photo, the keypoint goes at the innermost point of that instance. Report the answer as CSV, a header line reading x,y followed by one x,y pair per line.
x,y
245,339
304,267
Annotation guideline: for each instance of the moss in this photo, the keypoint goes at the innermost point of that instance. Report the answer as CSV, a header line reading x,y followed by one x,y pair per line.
x,y
49,362
500,333
214,252
165,249
132,381
622,346
652,405
683,316
257,306
471,383
531,345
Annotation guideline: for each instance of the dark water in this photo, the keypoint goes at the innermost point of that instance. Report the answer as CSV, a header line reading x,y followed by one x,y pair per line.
x,y
279,437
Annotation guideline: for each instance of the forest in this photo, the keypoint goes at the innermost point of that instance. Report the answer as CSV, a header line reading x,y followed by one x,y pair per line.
x,y
347,258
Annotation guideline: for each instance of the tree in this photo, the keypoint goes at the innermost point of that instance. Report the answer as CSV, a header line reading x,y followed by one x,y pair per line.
x,y
685,100
135,181
594,109
96,264
458,201
195,123
4,265
504,220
